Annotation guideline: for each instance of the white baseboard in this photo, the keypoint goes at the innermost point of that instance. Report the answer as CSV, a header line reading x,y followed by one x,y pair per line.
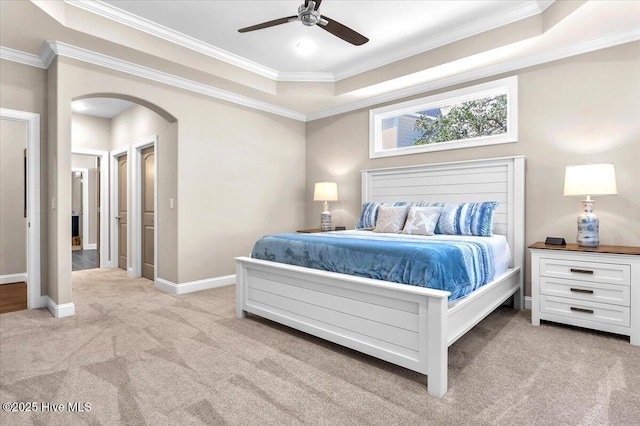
x,y
93,246
189,287
527,302
58,311
13,278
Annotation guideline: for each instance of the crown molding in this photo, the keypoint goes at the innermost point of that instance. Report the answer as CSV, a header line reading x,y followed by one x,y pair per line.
x,y
546,56
308,77
22,57
449,35
118,15
446,35
53,48
88,56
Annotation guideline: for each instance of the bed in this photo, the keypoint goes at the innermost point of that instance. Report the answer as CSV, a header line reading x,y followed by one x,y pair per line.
x,y
369,315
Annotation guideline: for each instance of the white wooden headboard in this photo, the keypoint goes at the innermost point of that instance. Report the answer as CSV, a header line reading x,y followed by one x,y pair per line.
x,y
495,179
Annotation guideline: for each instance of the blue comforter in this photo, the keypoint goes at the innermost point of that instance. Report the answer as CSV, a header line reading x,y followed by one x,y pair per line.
x,y
451,263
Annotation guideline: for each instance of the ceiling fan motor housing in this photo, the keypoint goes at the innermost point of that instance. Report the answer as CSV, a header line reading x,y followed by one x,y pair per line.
x,y
308,15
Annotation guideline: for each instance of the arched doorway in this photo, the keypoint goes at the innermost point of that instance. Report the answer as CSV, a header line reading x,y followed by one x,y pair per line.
x,y
131,132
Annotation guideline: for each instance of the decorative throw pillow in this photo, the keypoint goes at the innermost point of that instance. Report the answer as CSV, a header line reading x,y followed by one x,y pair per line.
x,y
390,219
467,219
369,214
422,220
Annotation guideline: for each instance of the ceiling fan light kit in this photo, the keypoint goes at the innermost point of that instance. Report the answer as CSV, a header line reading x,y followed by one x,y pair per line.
x,y
309,16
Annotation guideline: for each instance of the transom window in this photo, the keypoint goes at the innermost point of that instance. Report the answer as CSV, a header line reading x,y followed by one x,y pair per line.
x,y
484,114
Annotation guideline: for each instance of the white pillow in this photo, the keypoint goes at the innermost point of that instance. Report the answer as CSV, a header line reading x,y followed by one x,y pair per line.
x,y
390,219
422,220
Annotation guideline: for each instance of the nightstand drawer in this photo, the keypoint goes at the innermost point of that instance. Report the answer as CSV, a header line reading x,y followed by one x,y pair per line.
x,y
610,273
585,290
586,311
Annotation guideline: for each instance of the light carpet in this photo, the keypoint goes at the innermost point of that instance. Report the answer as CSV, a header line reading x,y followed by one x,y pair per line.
x,y
139,356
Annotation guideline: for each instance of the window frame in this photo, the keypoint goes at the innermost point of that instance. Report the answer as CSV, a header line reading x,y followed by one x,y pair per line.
x,y
508,86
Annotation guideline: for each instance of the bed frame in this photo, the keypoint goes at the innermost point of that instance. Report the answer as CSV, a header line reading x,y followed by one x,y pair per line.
x,y
402,324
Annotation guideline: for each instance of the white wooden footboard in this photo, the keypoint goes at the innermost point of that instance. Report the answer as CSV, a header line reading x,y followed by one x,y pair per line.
x,y
402,324
405,325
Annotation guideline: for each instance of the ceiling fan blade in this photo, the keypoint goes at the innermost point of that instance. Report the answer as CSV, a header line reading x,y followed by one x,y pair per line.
x,y
269,24
344,32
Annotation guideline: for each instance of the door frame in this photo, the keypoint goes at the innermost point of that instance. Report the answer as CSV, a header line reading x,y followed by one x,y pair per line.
x,y
32,121
105,258
85,203
113,221
135,225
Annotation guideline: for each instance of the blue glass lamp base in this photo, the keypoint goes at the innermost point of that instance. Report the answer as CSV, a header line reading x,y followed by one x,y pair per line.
x,y
588,226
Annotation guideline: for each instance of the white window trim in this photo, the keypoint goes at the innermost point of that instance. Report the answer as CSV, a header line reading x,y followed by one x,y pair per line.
x,y
452,97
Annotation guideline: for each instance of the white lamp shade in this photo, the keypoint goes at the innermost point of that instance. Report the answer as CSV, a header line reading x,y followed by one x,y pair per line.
x,y
590,179
325,191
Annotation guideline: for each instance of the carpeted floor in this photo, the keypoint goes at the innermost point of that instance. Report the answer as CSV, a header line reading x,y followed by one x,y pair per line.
x,y
140,356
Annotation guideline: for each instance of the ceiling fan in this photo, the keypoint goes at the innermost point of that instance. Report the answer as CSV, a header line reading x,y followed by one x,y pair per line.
x,y
308,14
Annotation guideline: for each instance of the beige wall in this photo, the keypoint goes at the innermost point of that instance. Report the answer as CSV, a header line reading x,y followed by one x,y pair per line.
x,y
13,224
24,88
130,127
90,132
575,111
239,172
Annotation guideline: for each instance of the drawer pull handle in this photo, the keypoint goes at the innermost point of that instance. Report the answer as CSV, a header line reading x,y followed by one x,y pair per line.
x,y
581,271
581,290
586,311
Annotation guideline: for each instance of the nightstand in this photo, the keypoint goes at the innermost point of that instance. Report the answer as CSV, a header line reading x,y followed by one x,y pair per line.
x,y
597,288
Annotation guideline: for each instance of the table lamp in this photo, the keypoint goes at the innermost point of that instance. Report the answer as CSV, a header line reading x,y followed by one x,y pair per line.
x,y
325,191
589,179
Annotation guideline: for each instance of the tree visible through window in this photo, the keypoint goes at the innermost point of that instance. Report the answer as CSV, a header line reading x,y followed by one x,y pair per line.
x,y
484,114
472,119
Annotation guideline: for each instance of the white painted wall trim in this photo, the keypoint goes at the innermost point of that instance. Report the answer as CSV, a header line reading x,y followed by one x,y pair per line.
x,y
32,121
190,287
446,36
13,278
105,252
116,64
21,57
113,13
85,204
115,208
527,302
484,72
59,311
53,48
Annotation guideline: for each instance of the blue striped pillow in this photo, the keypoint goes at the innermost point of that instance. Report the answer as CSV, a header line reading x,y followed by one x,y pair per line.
x,y
369,215
467,219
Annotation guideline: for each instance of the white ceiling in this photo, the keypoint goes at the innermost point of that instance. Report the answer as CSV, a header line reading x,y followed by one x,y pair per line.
x,y
74,29
102,107
396,29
